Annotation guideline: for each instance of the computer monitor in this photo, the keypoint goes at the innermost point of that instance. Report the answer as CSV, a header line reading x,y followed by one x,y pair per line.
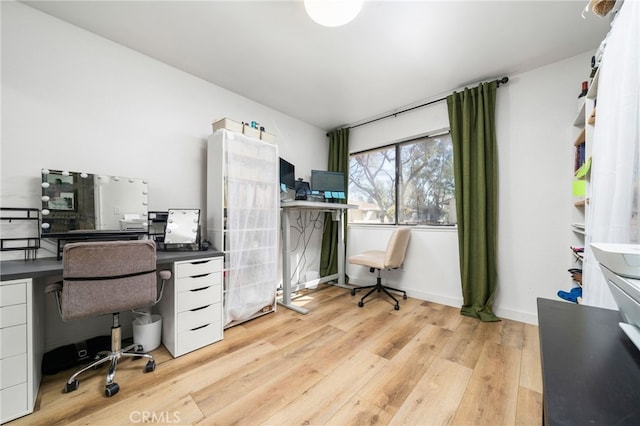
x,y
287,175
324,181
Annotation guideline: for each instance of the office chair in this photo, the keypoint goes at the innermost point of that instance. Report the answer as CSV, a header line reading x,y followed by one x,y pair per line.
x,y
108,277
377,260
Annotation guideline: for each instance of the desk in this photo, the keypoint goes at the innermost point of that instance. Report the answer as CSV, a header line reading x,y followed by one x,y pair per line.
x,y
590,368
338,211
49,266
23,323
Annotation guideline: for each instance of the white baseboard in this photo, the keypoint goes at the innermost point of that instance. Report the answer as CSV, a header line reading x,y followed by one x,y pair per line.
x,y
506,313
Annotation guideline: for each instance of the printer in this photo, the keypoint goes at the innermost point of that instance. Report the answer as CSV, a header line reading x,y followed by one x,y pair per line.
x,y
620,264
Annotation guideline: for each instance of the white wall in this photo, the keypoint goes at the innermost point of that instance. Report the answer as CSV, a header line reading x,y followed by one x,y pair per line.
x,y
74,101
534,117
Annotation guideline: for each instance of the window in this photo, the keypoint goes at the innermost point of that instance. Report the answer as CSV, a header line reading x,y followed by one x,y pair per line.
x,y
405,183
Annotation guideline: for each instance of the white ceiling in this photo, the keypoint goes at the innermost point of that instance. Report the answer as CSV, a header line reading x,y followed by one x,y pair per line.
x,y
393,55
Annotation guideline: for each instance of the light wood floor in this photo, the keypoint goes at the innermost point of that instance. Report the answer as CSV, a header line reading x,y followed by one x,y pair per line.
x,y
339,365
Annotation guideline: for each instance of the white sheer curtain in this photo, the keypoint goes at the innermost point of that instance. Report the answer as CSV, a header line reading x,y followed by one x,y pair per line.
x,y
612,213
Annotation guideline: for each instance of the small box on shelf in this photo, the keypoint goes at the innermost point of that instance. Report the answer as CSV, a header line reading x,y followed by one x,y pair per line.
x,y
251,131
228,124
267,137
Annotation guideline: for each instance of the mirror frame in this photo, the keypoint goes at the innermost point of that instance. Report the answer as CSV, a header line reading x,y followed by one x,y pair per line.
x,y
65,199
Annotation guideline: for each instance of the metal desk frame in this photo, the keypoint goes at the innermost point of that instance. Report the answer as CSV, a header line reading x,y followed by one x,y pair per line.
x,y
338,211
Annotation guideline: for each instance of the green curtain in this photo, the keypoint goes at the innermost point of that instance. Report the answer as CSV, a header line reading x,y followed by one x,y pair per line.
x,y
472,120
338,162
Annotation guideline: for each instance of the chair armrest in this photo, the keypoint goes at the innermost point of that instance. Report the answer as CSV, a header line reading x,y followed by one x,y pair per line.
x,y
53,288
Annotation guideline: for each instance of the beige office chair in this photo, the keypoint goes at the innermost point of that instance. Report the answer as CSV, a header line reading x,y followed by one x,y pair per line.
x,y
377,260
102,278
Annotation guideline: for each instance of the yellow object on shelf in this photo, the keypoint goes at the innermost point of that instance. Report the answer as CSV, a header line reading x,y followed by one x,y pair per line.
x,y
579,188
584,169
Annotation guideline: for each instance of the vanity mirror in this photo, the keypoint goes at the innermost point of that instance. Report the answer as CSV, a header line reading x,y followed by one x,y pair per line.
x,y
74,202
183,229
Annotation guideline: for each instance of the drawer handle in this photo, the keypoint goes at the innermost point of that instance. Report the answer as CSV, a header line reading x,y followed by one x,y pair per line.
x,y
202,326
200,289
200,308
200,262
199,276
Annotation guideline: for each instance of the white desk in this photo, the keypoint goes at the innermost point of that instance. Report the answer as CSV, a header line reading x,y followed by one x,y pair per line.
x,y
22,325
338,213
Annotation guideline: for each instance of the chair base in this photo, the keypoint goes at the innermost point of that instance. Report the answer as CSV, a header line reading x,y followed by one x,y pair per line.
x,y
378,287
113,356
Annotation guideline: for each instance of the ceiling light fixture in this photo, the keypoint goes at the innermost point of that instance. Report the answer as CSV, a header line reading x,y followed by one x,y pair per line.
x,y
333,13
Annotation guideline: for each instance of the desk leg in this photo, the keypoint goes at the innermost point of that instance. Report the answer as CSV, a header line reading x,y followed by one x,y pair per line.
x,y
341,248
286,264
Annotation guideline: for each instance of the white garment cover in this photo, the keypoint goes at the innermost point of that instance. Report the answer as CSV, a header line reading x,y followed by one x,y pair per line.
x,y
613,209
252,218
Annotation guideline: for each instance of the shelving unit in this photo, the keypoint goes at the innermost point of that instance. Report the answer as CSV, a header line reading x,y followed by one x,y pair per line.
x,y
243,207
25,235
582,143
157,224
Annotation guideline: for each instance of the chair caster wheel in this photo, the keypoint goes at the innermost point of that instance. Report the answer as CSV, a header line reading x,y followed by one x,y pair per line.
x,y
396,307
360,303
353,291
139,348
150,366
404,296
70,387
111,389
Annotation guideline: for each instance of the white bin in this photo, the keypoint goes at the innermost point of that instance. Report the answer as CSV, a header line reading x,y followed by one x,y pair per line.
x,y
148,335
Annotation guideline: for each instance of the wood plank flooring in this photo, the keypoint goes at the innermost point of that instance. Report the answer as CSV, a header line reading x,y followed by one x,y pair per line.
x,y
338,365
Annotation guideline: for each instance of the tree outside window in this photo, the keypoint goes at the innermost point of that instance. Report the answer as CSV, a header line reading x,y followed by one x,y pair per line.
x,y
405,183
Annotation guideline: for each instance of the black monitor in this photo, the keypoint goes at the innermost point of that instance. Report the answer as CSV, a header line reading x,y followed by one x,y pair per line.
x,y
324,181
287,175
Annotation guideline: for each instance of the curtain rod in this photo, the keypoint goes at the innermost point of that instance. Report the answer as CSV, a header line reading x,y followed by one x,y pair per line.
x,y
503,80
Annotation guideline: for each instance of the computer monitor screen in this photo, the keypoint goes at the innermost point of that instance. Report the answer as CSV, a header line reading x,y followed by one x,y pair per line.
x,y
324,181
287,174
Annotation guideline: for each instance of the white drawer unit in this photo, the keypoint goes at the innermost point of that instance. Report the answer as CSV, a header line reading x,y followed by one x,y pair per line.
x,y
191,306
19,379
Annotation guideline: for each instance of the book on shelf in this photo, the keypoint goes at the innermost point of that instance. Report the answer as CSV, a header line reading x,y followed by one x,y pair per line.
x,y
580,157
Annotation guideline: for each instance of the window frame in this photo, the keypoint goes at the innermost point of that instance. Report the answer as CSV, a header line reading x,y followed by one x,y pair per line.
x,y
397,146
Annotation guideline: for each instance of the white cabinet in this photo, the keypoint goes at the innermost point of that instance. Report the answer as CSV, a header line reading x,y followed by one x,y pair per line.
x,y
243,205
191,306
19,374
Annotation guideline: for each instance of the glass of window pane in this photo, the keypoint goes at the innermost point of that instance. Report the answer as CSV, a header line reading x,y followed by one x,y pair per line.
x,y
372,186
426,182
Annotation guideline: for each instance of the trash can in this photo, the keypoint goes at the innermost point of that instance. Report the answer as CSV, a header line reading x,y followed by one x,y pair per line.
x,y
147,331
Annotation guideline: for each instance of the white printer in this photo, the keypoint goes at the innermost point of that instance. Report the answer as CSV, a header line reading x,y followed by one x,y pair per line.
x,y
620,264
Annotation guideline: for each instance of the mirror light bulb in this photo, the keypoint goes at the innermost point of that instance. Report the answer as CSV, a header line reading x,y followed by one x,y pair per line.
x,y
45,198
84,175
45,225
65,173
45,184
45,212
45,171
